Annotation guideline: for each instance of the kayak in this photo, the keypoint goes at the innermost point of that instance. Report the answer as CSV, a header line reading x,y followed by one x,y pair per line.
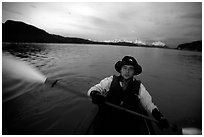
x,y
112,121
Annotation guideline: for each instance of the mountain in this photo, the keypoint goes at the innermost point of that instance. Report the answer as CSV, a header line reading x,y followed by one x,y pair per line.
x,y
20,32
195,46
14,31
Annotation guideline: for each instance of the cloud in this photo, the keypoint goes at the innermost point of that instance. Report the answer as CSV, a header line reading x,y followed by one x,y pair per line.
x,y
105,24
33,6
192,16
10,9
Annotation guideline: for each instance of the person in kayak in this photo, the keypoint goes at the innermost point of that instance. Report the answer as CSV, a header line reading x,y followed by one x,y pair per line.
x,y
124,90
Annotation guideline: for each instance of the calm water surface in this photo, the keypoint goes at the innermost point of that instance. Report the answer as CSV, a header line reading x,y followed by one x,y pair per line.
x,y
172,77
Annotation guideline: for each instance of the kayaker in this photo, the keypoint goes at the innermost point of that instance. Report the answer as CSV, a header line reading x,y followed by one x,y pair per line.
x,y
124,90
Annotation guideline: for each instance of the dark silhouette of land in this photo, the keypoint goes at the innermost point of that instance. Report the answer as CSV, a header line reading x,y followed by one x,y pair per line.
x,y
14,31
195,46
20,32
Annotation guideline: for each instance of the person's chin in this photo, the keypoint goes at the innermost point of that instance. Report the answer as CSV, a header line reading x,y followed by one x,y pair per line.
x,y
126,77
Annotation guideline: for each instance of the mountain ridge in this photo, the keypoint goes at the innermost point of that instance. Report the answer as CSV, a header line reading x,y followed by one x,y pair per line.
x,y
17,32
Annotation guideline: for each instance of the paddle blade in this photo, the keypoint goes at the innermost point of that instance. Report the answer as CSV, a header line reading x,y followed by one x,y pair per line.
x,y
191,131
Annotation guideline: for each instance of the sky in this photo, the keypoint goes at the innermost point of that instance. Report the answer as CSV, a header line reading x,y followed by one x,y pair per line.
x,y
171,23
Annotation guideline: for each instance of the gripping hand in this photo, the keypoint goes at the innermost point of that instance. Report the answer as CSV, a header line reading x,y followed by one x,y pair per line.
x,y
97,98
163,122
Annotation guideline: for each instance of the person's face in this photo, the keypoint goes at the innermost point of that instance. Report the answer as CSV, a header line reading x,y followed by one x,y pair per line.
x,y
127,71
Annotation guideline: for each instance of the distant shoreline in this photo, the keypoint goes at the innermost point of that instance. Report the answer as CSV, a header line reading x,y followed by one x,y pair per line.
x,y
89,44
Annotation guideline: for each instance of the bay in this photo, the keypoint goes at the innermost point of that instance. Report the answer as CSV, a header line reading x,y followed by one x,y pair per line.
x,y
172,77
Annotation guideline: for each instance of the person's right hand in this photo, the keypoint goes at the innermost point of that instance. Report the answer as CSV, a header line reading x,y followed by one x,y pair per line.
x,y
96,96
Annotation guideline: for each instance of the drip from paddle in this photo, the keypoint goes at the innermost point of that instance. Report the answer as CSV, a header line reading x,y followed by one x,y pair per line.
x,y
17,69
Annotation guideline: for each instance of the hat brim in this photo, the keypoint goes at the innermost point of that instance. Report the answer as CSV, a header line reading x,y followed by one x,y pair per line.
x,y
137,67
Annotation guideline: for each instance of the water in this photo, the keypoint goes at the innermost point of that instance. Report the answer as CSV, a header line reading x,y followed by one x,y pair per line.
x,y
172,77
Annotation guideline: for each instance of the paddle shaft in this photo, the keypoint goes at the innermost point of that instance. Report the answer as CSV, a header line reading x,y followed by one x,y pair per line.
x,y
54,83
130,111
64,86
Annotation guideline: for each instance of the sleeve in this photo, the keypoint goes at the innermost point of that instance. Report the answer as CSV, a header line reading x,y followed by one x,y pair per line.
x,y
146,99
103,87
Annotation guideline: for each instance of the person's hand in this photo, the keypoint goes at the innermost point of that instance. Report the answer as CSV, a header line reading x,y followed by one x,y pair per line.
x,y
163,123
97,98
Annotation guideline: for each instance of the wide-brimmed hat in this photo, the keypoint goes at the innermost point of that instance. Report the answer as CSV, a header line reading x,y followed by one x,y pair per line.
x,y
128,60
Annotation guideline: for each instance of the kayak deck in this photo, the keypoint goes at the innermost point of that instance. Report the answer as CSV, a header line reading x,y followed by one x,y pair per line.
x,y
111,121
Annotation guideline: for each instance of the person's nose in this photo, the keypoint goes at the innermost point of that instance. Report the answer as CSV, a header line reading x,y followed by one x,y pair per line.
x,y
127,70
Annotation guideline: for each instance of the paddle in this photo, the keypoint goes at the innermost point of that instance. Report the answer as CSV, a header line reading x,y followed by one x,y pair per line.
x,y
21,70
173,127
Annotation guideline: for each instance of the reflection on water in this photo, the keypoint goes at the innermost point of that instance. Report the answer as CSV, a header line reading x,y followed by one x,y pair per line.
x,y
25,50
172,77
36,54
